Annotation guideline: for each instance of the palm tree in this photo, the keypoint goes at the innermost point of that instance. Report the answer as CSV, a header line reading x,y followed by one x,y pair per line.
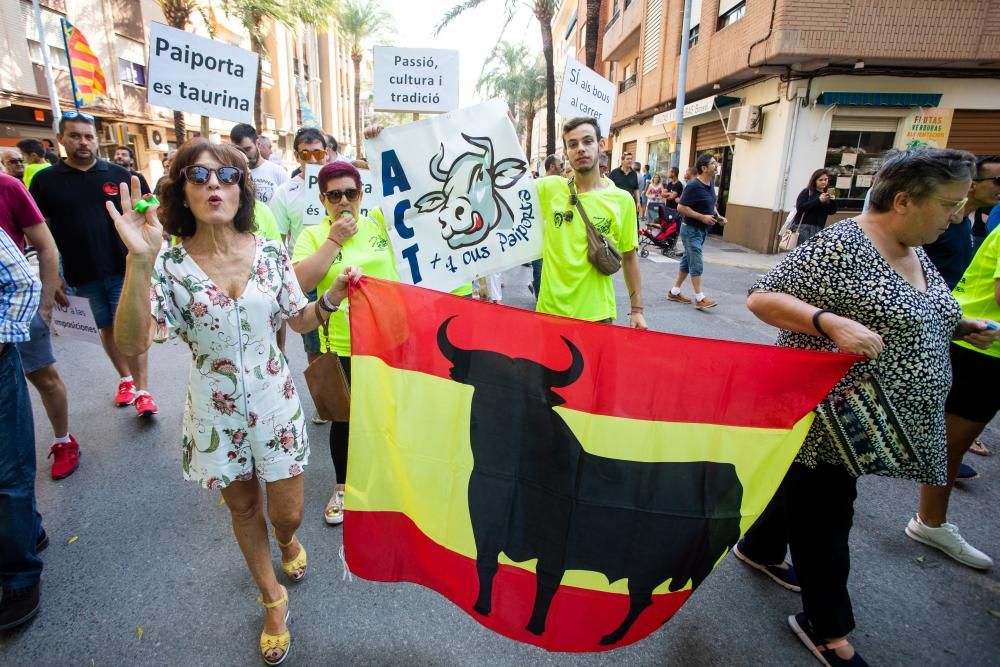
x,y
178,15
593,18
543,10
501,76
358,22
532,96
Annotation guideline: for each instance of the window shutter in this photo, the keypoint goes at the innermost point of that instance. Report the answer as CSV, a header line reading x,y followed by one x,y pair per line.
x,y
864,124
654,31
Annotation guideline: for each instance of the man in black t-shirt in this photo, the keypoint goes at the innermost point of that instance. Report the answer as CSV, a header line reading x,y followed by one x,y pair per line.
x,y
124,157
626,178
698,206
673,190
73,196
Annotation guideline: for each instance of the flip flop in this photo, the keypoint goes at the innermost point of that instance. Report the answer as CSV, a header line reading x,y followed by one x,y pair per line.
x,y
979,448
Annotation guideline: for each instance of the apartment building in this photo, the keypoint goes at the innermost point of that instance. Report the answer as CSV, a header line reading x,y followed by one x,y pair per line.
x,y
779,88
117,30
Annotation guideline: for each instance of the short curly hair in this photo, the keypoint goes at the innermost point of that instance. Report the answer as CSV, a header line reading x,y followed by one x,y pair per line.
x,y
177,218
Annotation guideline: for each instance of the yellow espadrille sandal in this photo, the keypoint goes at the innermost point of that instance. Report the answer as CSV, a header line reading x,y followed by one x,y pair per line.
x,y
295,569
274,648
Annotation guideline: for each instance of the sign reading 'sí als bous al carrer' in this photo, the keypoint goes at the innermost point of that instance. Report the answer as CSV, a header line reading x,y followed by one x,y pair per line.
x,y
191,73
586,93
419,80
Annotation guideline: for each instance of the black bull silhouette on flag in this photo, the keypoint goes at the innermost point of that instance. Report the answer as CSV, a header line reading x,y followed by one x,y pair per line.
x,y
534,492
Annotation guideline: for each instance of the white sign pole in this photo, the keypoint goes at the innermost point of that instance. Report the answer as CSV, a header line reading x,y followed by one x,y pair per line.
x,y
586,93
76,320
191,73
418,80
457,197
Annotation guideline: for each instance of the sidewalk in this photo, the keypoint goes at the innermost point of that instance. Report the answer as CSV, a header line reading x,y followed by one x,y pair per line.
x,y
722,252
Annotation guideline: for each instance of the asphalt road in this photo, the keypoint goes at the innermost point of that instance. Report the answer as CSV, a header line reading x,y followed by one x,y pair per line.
x,y
134,546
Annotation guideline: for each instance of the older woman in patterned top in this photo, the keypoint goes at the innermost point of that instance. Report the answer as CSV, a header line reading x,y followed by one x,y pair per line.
x,y
864,286
226,291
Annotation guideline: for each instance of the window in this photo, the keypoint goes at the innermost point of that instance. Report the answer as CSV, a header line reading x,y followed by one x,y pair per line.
x,y
730,12
53,36
693,37
855,151
131,61
651,45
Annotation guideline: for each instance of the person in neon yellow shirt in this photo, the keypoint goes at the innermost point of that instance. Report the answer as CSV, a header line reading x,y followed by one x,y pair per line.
x,y
34,158
345,237
571,286
973,400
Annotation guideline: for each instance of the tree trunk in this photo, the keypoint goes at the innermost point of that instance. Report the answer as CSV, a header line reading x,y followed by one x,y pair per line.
x,y
258,112
545,21
529,120
356,57
592,27
179,128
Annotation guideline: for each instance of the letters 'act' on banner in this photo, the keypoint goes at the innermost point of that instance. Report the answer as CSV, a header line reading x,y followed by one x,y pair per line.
x,y
457,196
191,73
485,440
419,80
586,93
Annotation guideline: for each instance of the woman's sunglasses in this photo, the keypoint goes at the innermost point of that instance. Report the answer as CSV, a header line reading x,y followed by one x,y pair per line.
x,y
316,154
333,196
199,175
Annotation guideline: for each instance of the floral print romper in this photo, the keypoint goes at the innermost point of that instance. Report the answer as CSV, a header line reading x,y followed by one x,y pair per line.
x,y
242,412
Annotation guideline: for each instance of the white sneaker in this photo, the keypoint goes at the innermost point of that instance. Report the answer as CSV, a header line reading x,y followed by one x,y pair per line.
x,y
947,539
316,419
335,509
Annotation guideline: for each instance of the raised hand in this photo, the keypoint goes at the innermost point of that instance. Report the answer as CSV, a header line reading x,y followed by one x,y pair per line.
x,y
338,290
342,229
141,233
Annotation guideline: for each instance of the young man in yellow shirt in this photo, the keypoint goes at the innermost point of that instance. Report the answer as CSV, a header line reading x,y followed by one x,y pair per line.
x,y
571,286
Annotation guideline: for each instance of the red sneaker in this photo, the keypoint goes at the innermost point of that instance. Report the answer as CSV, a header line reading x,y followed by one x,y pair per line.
x,y
126,393
66,458
144,405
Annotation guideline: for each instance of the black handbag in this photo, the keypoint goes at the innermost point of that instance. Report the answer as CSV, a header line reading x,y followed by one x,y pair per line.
x,y
866,432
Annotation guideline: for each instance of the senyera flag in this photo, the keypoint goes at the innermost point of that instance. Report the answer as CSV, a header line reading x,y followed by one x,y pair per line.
x,y
85,70
568,484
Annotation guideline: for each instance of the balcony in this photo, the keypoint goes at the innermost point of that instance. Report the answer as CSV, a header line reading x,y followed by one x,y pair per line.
x,y
627,83
622,32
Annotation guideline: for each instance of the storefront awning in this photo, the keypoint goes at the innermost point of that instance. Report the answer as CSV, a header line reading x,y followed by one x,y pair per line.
x,y
880,99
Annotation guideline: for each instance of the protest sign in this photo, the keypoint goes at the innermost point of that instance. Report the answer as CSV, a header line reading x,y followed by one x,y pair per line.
x,y
191,73
76,320
586,93
421,80
457,197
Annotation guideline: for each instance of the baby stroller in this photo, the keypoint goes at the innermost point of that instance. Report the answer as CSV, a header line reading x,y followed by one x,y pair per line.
x,y
662,233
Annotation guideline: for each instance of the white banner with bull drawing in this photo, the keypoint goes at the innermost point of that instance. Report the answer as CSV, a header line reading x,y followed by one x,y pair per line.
x,y
457,195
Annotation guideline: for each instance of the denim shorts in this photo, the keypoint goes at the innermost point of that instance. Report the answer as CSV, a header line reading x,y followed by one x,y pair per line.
x,y
693,239
103,295
37,353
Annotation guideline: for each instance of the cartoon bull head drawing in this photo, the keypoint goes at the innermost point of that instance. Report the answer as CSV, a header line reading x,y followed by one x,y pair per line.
x,y
469,204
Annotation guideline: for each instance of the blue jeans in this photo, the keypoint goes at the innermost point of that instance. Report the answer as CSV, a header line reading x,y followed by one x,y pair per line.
x,y
103,295
310,340
20,524
693,240
536,277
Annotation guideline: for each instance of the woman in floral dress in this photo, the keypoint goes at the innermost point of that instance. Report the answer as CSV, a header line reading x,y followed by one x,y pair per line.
x,y
226,291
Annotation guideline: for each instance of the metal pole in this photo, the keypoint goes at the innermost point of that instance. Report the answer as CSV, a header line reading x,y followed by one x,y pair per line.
x,y
682,69
69,63
53,95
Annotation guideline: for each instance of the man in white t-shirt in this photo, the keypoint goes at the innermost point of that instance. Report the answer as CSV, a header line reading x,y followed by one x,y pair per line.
x,y
290,198
267,176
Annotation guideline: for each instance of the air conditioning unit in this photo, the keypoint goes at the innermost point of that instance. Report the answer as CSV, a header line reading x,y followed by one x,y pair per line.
x,y
744,120
156,138
114,133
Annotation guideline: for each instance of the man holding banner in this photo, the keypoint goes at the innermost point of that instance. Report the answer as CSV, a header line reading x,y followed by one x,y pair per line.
x,y
571,285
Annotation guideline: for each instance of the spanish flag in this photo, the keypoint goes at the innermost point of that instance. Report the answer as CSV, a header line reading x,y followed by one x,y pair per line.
x,y
568,484
86,74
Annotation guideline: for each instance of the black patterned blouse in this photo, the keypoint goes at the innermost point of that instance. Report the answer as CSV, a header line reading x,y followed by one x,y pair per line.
x,y
840,270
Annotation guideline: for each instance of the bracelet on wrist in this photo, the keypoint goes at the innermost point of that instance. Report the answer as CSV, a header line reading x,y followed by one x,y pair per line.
x,y
816,325
325,304
636,309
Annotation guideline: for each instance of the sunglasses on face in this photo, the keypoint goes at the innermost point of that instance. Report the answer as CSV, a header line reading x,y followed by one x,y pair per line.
x,y
12,161
199,175
333,196
315,154
70,115
953,205
995,179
